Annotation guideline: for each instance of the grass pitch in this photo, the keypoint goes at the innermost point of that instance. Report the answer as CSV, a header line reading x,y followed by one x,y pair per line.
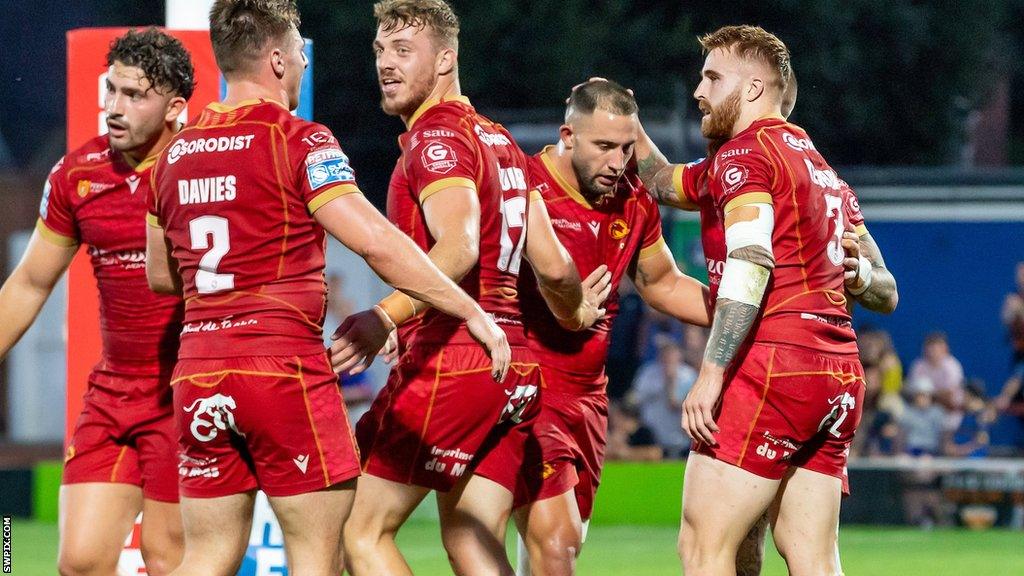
x,y
650,550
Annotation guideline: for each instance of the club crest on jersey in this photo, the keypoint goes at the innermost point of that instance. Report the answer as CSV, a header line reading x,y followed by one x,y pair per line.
x,y
734,176
854,204
330,169
618,229
439,158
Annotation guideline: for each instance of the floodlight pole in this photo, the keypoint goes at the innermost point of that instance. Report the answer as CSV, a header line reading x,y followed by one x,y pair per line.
x,y
188,14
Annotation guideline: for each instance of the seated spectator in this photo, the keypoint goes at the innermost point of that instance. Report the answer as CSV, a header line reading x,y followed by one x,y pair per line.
x,y
945,373
658,392
883,377
627,438
923,422
971,439
1010,400
1013,317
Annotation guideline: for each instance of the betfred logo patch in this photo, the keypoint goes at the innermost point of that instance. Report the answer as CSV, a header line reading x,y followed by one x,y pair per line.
x,y
734,176
439,157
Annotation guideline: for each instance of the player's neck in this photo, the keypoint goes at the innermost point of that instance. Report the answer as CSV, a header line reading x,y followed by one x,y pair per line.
x,y
754,113
242,90
445,89
562,160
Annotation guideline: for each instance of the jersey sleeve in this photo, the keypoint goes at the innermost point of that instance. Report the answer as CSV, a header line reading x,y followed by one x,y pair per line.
x,y
56,219
851,207
741,176
652,240
322,169
152,196
437,158
688,179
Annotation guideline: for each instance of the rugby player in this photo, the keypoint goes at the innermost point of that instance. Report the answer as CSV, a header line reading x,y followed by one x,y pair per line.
x,y
122,456
778,437
241,201
460,190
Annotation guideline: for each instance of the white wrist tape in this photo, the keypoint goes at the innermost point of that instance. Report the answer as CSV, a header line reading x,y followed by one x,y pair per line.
x,y
863,275
757,232
743,281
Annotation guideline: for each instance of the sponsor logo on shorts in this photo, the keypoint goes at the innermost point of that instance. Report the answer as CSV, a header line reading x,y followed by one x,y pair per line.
x,y
442,458
329,171
734,176
841,406
519,400
211,415
189,467
183,147
301,462
618,229
439,158
773,446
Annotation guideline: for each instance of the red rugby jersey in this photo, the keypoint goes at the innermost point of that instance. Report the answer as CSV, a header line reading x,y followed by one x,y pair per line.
x,y
775,162
449,144
93,196
235,193
621,230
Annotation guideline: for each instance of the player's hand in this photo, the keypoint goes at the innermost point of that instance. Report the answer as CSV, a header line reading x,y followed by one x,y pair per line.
x,y
493,338
357,341
389,353
851,261
596,288
699,406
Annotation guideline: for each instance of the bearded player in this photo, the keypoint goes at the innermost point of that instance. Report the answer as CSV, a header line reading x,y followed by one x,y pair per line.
x,y
460,190
605,218
242,200
760,448
121,458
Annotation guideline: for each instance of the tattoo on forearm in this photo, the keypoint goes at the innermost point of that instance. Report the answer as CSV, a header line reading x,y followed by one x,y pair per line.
x,y
656,174
732,323
880,295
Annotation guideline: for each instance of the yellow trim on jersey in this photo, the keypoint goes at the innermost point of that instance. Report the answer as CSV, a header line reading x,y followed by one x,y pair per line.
x,y
861,230
747,198
430,104
54,237
153,220
331,193
653,249
545,158
535,195
678,182
222,107
438,185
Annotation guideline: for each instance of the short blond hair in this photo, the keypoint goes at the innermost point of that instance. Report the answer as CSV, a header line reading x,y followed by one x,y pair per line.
x,y
436,15
753,43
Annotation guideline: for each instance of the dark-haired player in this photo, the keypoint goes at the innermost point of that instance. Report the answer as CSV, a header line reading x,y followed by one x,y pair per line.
x,y
122,456
241,203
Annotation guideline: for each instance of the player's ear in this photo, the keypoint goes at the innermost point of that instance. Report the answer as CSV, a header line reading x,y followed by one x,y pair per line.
x,y
565,134
174,108
277,63
755,89
446,61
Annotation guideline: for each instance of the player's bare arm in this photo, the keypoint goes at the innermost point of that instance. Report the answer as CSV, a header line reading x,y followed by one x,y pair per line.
x,y
161,269
557,277
748,268
27,288
657,174
666,289
867,278
399,262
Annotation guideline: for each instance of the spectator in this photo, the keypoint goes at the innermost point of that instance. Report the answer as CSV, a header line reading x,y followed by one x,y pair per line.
x,y
659,389
1013,317
696,341
358,390
883,376
971,439
627,438
1010,400
623,350
938,366
923,423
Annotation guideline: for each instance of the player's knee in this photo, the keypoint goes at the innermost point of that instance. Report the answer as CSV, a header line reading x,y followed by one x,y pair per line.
x,y
82,562
359,538
557,551
163,553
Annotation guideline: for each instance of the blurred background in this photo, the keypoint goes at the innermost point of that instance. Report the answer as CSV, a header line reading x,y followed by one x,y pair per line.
x,y
919,105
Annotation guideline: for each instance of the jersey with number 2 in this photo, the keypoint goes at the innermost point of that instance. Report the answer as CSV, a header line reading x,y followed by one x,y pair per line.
x,y
235,192
775,162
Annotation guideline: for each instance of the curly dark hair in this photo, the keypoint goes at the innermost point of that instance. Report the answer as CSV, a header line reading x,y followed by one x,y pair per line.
x,y
161,57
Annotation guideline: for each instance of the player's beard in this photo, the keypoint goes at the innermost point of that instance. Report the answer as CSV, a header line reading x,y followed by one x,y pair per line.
x,y
591,188
719,123
418,92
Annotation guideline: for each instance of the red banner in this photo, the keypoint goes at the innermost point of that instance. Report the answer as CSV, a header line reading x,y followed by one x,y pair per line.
x,y
87,68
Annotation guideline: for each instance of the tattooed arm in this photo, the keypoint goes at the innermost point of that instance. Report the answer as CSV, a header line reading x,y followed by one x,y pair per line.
x,y
657,174
875,288
747,271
